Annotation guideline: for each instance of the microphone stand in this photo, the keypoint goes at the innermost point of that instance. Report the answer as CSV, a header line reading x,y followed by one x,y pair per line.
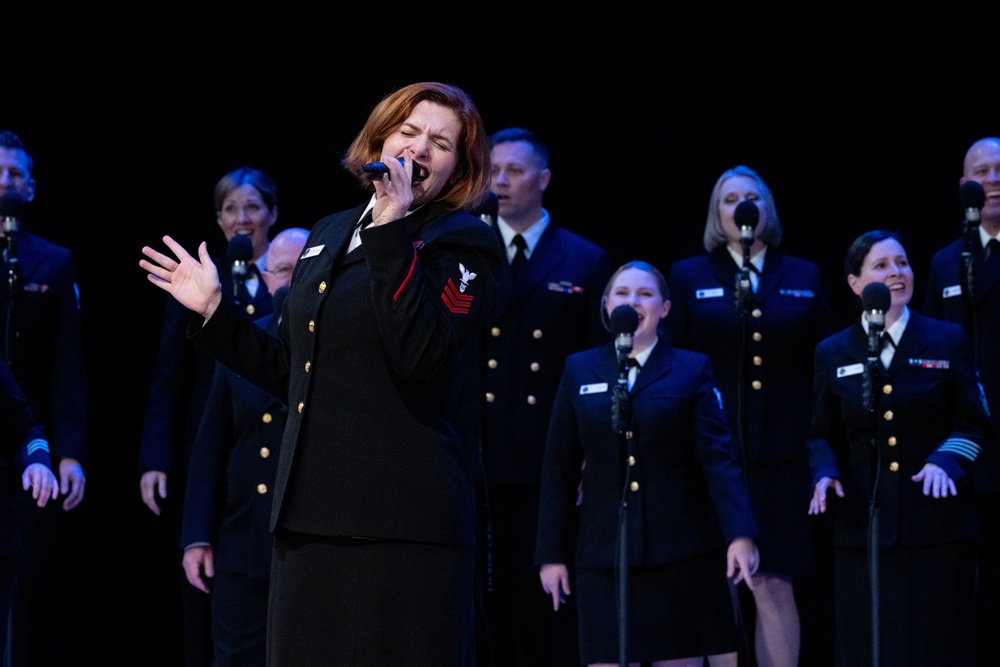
x,y
743,296
13,283
968,276
622,423
872,385
239,280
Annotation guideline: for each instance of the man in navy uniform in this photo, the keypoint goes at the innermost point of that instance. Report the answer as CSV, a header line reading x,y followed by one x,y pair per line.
x,y
42,340
977,306
549,306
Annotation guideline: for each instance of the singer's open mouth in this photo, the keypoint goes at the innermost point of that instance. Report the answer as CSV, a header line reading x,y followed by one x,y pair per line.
x,y
420,173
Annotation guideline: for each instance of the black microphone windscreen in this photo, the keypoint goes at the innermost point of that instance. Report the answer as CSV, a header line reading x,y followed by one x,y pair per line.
x,y
972,195
747,214
240,249
11,204
624,320
488,206
876,297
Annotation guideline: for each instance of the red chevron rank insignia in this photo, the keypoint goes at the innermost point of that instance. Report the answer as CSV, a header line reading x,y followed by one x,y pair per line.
x,y
455,301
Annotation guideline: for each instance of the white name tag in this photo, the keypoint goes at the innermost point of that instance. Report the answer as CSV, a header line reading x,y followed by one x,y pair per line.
x,y
713,293
313,251
853,369
596,388
951,290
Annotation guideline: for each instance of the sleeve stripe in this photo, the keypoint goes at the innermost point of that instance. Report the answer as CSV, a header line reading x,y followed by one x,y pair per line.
x,y
962,447
36,445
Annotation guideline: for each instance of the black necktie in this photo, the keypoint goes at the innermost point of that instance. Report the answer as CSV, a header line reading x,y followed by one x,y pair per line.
x,y
990,250
520,258
633,377
365,220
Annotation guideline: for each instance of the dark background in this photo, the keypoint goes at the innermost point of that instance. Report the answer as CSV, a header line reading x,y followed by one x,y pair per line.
x,y
855,117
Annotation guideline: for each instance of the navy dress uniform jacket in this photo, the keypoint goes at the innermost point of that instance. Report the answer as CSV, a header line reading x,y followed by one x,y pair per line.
x,y
46,342
22,442
366,357
931,412
689,499
550,310
179,387
945,299
787,316
231,478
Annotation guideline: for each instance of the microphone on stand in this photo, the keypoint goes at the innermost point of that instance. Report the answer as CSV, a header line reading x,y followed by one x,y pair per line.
x,y
746,216
488,208
875,299
240,253
11,209
973,198
624,322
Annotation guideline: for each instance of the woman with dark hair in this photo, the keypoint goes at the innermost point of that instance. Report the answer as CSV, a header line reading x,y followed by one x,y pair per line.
x,y
671,464
895,432
373,502
760,336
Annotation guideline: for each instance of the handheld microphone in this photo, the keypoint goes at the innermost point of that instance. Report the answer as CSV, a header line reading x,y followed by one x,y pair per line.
x,y
973,198
239,252
373,171
624,322
875,299
747,215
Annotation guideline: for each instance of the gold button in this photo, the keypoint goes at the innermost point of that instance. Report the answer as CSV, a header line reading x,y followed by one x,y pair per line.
x,y
536,334
309,365
892,441
490,397
887,389
887,415
266,417
495,331
756,312
322,287
756,384
250,309
532,400
312,326
262,489
893,466
492,363
264,452
302,406
535,366
634,486
628,435
757,336
757,361
631,460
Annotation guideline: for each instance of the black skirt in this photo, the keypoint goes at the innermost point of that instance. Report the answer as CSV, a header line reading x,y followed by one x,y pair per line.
x,y
677,610
370,602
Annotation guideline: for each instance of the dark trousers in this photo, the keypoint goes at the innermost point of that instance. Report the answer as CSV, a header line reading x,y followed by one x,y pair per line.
x,y
522,627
